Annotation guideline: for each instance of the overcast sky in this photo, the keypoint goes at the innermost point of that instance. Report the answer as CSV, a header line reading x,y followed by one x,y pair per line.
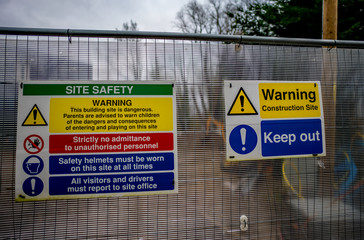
x,y
151,15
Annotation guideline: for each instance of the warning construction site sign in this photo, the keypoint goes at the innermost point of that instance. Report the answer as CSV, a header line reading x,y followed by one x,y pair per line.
x,y
273,119
95,139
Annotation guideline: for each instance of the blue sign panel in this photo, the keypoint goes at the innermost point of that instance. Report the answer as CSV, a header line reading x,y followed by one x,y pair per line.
x,y
66,164
103,184
291,137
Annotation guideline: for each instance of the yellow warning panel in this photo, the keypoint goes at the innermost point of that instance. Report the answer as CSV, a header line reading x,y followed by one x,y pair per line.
x,y
242,105
68,115
289,100
34,118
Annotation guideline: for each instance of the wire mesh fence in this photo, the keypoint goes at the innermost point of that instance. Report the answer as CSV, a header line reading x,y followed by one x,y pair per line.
x,y
296,198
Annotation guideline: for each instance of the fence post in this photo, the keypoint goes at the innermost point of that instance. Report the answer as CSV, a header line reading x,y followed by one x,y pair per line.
x,y
329,19
329,78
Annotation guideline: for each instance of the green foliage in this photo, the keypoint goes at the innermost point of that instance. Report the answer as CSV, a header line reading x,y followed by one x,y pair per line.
x,y
351,20
297,19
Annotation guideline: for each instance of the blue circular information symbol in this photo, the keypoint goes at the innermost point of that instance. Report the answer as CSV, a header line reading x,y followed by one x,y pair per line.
x,y
33,186
33,165
243,139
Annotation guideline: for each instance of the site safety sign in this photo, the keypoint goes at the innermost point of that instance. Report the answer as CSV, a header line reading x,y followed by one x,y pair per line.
x,y
95,139
271,119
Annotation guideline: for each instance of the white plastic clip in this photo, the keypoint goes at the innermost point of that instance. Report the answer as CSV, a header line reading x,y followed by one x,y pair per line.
x,y
321,163
243,223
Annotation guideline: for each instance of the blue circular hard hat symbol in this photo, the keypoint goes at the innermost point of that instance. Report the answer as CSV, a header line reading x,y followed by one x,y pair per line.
x,y
243,139
33,165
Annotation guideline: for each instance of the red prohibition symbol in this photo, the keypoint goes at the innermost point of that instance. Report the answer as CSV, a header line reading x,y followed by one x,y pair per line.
x,y
33,144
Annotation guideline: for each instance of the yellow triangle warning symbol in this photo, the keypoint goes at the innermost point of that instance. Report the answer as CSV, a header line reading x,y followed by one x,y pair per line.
x,y
242,105
35,118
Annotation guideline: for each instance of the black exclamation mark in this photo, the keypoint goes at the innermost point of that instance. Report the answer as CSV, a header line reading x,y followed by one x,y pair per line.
x,y
242,103
35,112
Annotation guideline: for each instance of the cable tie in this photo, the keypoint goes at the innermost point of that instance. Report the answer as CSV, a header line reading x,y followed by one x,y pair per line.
x,y
69,36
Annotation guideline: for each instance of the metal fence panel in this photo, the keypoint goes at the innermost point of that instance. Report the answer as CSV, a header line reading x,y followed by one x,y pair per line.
x,y
213,193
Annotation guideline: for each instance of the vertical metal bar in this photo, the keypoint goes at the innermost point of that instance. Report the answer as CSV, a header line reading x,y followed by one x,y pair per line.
x,y
213,169
156,77
146,60
3,108
137,77
165,64
98,58
117,60
108,60
127,59
68,59
203,78
88,59
361,192
174,61
78,59
37,57
48,55
58,52
13,167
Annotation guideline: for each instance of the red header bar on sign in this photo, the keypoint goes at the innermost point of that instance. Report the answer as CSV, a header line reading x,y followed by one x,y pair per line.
x,y
93,143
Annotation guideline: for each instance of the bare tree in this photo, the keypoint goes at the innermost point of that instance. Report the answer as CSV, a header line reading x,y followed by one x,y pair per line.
x,y
130,26
134,51
192,18
210,17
